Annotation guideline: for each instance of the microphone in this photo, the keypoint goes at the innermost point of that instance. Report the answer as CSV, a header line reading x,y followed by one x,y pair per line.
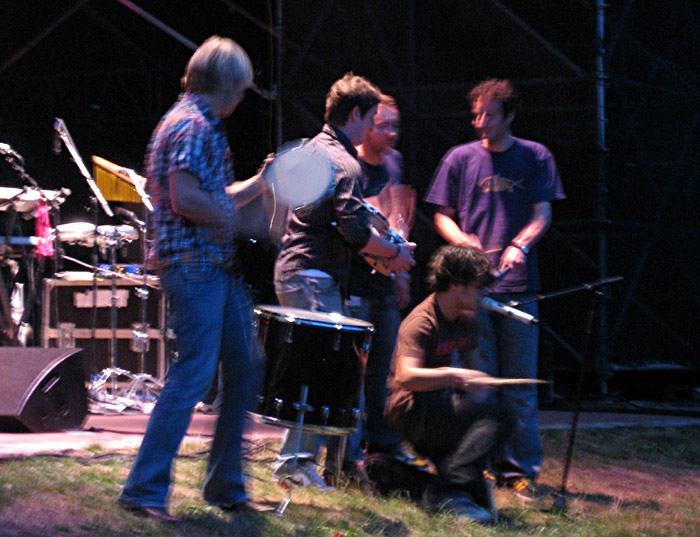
x,y
6,149
492,305
128,216
56,139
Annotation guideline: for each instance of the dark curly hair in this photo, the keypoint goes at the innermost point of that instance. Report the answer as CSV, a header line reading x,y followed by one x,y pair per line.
x,y
457,265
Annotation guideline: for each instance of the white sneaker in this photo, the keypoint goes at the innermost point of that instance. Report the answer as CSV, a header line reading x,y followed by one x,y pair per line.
x,y
302,474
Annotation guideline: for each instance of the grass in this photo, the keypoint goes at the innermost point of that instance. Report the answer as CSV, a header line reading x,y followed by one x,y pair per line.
x,y
624,482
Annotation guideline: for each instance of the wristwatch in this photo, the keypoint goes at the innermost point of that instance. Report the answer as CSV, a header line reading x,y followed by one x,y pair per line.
x,y
524,249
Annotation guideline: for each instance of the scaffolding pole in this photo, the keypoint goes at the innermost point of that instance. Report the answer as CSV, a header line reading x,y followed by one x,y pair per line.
x,y
602,366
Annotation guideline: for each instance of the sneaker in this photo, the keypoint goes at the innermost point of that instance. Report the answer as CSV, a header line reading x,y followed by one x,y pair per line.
x,y
464,507
353,473
399,453
482,490
302,474
458,504
523,487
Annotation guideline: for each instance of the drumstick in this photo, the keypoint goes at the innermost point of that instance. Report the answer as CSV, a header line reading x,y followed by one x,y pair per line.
x,y
493,381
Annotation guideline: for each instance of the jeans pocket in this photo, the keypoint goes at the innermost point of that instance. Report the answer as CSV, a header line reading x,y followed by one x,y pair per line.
x,y
199,273
293,296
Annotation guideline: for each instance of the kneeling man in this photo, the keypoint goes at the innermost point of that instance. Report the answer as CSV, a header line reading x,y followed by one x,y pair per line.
x,y
443,408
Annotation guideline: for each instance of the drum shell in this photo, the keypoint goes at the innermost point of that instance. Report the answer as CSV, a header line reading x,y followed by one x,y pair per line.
x,y
329,360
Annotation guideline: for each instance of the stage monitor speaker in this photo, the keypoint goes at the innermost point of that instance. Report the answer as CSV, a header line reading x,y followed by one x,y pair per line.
x,y
41,390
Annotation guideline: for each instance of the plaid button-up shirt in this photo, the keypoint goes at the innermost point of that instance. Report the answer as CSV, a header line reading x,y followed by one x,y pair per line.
x,y
189,138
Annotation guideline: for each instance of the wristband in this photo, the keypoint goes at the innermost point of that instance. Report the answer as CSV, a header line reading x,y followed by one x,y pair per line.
x,y
524,249
396,253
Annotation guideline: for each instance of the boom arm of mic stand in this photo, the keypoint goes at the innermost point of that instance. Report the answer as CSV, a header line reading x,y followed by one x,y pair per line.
x,y
574,289
60,127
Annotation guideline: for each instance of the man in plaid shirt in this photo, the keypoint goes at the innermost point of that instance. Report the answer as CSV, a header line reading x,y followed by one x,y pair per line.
x,y
190,178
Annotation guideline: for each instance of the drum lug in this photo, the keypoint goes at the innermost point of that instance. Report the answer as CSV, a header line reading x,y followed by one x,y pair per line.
x,y
303,407
336,343
277,403
356,416
325,412
289,337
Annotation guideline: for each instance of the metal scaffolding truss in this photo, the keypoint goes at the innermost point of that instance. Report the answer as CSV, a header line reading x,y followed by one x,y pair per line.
x,y
617,104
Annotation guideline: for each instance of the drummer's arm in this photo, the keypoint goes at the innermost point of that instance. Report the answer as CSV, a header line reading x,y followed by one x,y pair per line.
x,y
402,208
412,376
244,192
399,256
196,205
352,224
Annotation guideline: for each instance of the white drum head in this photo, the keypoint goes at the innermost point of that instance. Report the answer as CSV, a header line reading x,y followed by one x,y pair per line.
x,y
301,174
119,234
82,233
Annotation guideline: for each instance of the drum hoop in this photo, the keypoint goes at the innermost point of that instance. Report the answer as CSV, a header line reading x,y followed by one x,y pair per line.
x,y
307,427
297,320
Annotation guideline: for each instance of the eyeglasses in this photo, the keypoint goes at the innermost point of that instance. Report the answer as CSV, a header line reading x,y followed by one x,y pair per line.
x,y
396,127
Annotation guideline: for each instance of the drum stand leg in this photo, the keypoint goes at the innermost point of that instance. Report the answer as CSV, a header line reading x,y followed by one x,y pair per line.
x,y
302,408
104,398
142,389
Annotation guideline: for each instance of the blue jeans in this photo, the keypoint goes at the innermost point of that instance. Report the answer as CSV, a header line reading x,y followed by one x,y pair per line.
x,y
383,314
508,348
310,293
211,314
320,294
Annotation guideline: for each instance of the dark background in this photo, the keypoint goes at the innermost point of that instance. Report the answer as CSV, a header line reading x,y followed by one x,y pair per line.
x,y
632,205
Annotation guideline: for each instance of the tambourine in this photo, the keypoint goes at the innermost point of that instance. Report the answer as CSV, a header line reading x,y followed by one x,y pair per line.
x,y
380,223
301,174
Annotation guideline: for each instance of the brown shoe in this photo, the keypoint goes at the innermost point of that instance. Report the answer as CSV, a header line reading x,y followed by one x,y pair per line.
x,y
152,512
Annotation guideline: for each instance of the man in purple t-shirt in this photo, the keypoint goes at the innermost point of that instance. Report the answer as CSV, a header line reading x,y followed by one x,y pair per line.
x,y
495,194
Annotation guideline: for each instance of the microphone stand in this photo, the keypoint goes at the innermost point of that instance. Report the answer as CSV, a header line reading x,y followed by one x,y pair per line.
x,y
17,163
112,372
94,257
10,332
560,502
